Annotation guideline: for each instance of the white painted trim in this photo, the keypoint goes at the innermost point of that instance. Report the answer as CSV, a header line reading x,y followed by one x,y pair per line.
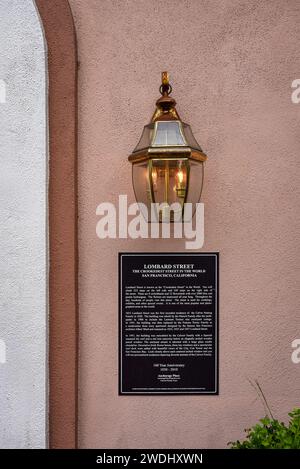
x,y
24,227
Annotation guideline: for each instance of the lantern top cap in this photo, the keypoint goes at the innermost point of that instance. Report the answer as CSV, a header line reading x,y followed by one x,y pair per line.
x,y
165,105
167,135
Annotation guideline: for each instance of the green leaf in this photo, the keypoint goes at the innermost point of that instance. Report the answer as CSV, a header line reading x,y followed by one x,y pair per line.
x,y
271,434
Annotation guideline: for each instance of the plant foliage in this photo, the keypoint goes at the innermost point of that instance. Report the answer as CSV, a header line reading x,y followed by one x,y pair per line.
x,y
269,433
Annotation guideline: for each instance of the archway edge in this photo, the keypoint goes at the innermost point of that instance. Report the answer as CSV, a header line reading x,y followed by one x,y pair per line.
x,y
57,20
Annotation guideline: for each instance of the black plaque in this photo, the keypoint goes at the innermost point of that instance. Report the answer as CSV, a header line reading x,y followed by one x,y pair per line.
x,y
168,323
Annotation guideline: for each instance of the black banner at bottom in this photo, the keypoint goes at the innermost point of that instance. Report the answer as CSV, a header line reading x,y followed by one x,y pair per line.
x,y
137,457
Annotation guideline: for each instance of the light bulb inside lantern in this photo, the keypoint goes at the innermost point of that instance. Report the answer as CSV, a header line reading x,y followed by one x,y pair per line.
x,y
154,176
180,186
180,176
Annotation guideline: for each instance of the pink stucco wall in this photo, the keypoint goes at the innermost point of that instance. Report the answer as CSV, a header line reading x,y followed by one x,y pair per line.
x,y
231,64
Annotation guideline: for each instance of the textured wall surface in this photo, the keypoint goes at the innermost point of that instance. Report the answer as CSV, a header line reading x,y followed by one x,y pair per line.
x,y
231,64
23,206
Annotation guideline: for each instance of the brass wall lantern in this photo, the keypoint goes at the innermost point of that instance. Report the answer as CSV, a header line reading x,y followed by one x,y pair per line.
x,y
167,163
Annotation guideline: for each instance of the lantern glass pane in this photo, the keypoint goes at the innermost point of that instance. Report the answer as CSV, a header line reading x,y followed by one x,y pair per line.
x,y
146,138
168,134
195,181
169,181
141,185
189,137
